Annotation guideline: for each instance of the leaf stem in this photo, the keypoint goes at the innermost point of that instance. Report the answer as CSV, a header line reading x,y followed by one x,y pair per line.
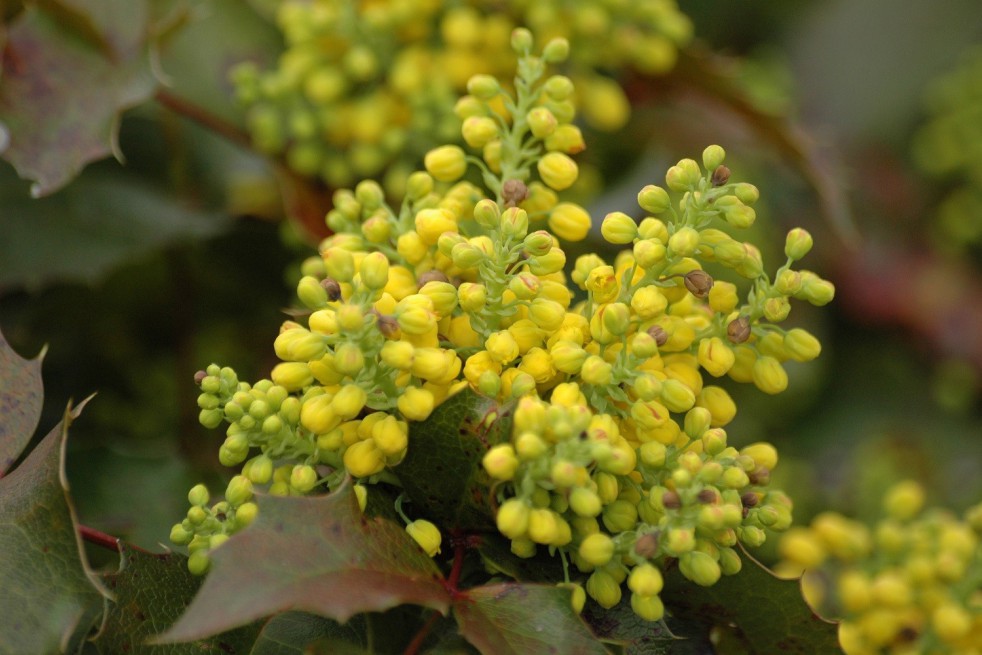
x,y
459,542
203,117
420,637
102,539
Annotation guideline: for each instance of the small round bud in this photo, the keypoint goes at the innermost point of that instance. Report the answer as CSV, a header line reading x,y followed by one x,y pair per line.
x,y
721,175
513,518
619,228
478,131
597,549
521,40
556,51
699,283
199,496
542,122
557,170
426,535
712,157
700,567
654,199
446,163
649,608
797,244
485,87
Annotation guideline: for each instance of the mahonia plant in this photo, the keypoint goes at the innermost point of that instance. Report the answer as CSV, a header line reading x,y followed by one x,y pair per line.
x,y
364,84
618,459
908,584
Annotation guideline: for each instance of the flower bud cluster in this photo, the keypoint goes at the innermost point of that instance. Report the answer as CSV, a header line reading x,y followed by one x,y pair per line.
x,y
618,459
207,526
363,85
910,583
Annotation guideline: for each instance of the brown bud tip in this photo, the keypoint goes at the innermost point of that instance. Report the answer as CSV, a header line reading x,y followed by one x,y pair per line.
x,y
707,497
760,476
749,499
671,500
199,376
432,276
738,330
658,334
513,192
720,176
698,283
332,288
647,545
388,326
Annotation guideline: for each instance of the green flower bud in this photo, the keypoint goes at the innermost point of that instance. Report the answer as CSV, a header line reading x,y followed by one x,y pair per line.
x,y
798,244
180,536
649,253
514,223
683,176
478,131
513,518
649,608
199,562
620,516
654,199
603,588
551,262
746,193
585,502
211,418
597,549
199,496
303,478
521,40
712,157
684,242
751,535
487,213
815,290
700,567
542,122
311,293
485,87
418,185
374,271
645,580
556,51
339,263
538,243
652,454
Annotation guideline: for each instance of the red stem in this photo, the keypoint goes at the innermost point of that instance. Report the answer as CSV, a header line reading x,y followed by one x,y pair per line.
x,y
203,117
420,637
459,542
102,539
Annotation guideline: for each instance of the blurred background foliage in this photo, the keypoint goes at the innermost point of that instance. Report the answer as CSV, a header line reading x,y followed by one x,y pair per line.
x,y
136,275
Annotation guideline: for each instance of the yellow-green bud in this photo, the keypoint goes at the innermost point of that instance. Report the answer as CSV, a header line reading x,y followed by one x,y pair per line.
x,y
569,222
539,243
646,580
585,502
239,490
416,404
904,500
769,376
712,157
543,526
596,371
426,535
375,271
684,242
566,138
487,213
542,122
513,518
521,40
472,296
303,478
683,175
199,496
551,262
604,589
654,199
620,515
556,51
797,244
484,87
649,252
597,549
446,163
700,567
514,223
649,608
500,462
478,131
311,293
801,345
339,263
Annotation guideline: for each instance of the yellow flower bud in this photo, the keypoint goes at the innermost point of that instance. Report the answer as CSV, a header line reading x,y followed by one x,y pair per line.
x,y
390,436
569,221
557,170
543,526
431,223
442,294
293,376
566,138
374,271
619,228
426,535
723,297
603,588
415,404
684,242
904,500
769,376
349,401
597,549
513,518
502,346
700,567
318,416
446,163
478,131
542,122
547,314
500,462
596,371
798,244
363,459
801,345
645,580
715,356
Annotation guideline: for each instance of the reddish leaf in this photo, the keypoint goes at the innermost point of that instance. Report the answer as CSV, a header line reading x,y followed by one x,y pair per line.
x,y
66,77
515,619
318,555
21,397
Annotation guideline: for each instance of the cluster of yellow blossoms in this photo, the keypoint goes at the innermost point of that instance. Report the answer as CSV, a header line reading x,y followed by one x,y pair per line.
x,y
618,457
911,584
363,83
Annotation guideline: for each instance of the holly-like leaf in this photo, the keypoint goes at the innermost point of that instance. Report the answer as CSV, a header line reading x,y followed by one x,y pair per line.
x,y
514,619
68,70
769,612
316,554
47,596
21,397
442,472
496,552
636,636
151,591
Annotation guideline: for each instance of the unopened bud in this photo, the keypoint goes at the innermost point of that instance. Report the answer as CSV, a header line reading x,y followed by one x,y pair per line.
x,y
738,330
720,176
199,376
698,283
513,192
332,288
671,500
647,545
658,334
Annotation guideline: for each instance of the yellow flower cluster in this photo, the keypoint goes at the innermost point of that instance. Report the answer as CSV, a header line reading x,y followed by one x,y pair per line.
x,y
910,584
618,458
363,84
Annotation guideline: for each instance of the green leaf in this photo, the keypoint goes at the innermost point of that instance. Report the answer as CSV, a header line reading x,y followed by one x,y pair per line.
x,y
515,619
70,67
317,554
47,596
771,613
621,625
21,397
442,472
152,590
104,217
291,633
495,549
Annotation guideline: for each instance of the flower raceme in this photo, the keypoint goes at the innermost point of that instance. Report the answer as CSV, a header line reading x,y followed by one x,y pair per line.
x,y
618,456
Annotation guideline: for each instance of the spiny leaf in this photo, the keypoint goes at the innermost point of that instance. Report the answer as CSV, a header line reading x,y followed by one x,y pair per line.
x,y
442,472
47,596
68,70
515,619
21,394
152,590
771,613
636,636
317,554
